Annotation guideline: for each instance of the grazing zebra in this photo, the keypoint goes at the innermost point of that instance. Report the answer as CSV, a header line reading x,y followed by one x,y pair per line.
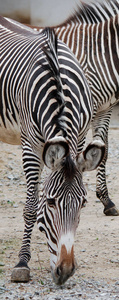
x,y
45,99
92,33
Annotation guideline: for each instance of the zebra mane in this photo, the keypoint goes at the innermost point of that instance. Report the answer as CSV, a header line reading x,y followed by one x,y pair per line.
x,y
51,54
92,12
69,168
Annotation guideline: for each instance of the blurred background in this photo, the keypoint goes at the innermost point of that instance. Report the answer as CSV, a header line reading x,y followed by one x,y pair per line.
x,y
38,12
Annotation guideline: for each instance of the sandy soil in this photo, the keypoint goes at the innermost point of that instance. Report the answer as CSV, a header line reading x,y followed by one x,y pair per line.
x,y
97,238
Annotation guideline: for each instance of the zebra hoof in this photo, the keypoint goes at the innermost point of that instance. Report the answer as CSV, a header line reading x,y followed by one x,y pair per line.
x,y
113,211
21,272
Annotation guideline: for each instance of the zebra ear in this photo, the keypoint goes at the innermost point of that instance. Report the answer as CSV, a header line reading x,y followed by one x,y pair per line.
x,y
91,157
54,151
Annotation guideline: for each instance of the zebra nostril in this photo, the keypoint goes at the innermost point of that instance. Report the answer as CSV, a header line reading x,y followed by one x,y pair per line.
x,y
73,269
58,271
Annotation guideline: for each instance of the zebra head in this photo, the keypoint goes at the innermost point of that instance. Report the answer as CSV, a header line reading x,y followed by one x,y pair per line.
x,y
61,201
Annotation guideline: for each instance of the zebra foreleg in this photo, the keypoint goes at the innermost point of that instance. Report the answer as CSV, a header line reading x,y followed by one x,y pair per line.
x,y
21,272
100,131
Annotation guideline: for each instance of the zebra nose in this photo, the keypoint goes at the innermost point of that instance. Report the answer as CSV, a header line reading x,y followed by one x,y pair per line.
x,y
58,271
62,273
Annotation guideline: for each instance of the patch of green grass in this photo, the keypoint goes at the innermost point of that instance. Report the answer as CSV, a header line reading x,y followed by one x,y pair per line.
x,y
41,281
2,252
11,202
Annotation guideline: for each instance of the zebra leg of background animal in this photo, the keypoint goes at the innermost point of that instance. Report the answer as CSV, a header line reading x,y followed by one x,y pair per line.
x,y
100,128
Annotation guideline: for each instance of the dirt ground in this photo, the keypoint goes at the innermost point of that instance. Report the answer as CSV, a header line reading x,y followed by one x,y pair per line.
x,y
97,238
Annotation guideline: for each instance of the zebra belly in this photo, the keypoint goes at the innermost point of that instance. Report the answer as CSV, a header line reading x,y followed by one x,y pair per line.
x,y
10,134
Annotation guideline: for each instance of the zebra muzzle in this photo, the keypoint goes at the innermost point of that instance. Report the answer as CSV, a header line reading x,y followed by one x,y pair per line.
x,y
65,266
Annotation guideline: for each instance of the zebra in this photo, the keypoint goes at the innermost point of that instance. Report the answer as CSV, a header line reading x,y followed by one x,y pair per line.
x,y
47,106
92,34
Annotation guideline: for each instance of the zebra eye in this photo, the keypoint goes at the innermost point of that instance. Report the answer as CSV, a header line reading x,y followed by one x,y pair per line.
x,y
51,201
